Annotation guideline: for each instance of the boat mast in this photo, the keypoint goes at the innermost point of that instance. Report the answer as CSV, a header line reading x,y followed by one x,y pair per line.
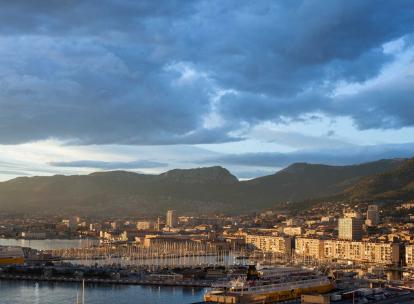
x,y
83,291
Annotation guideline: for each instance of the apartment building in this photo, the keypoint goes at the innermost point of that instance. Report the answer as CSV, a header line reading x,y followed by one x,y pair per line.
x,y
309,247
409,255
370,252
357,251
350,228
270,243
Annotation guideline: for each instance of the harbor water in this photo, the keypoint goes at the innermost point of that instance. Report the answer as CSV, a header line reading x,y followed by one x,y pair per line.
x,y
25,292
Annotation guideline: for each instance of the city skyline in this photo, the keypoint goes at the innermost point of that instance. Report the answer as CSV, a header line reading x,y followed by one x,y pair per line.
x,y
252,87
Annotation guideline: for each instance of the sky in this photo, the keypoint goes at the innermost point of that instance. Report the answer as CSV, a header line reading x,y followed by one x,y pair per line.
x,y
253,86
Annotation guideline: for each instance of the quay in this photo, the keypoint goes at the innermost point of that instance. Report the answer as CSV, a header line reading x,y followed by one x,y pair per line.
x,y
192,283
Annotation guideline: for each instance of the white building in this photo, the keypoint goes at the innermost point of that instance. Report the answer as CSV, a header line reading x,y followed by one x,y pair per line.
x,y
309,247
293,231
171,221
342,250
350,228
271,243
368,252
409,255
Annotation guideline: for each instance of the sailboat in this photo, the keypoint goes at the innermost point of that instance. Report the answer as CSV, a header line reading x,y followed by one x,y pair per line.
x,y
80,298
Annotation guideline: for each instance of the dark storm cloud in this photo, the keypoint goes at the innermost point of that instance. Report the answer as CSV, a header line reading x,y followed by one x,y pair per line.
x,y
110,165
88,17
284,48
381,107
343,156
144,72
86,94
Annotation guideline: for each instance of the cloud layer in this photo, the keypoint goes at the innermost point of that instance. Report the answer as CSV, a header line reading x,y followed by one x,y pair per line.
x,y
128,72
340,156
109,165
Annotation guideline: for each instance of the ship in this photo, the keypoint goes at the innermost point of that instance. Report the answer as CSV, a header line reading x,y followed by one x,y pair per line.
x,y
11,255
270,285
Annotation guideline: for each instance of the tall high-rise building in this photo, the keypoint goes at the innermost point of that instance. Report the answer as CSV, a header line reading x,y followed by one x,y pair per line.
x,y
350,228
372,215
73,222
171,219
158,224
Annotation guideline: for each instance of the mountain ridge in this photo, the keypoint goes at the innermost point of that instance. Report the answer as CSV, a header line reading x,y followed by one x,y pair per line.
x,y
196,190
395,184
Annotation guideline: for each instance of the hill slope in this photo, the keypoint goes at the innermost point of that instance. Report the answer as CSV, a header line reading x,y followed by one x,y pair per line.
x,y
303,181
394,184
118,192
198,190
